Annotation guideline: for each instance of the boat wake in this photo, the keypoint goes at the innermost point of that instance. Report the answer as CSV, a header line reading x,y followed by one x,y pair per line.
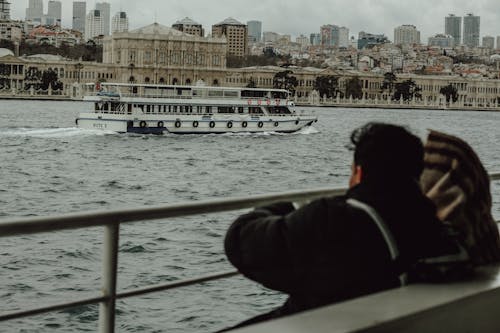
x,y
50,132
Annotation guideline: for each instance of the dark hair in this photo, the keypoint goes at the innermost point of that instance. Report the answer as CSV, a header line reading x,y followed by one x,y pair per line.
x,y
387,153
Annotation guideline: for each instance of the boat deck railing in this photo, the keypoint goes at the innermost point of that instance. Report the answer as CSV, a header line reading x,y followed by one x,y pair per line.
x,y
112,221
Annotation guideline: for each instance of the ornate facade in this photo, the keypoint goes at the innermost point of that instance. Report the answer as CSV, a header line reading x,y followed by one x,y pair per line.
x,y
159,54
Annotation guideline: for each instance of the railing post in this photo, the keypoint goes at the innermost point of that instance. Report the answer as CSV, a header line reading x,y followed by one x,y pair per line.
x,y
109,273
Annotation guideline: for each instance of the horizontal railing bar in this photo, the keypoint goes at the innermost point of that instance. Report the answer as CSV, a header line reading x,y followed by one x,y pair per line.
x,y
23,226
51,308
99,218
126,294
177,284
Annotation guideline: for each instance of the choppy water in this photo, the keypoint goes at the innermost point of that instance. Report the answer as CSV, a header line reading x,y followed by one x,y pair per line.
x,y
50,167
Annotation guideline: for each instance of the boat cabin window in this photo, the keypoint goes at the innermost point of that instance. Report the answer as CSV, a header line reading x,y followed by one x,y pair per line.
x,y
225,109
208,109
240,109
255,110
253,93
215,93
197,92
279,94
228,93
278,110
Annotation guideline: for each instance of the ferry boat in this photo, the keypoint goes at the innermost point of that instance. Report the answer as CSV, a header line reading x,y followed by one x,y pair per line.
x,y
156,109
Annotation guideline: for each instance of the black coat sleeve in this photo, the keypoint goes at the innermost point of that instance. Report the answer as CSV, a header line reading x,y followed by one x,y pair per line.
x,y
262,244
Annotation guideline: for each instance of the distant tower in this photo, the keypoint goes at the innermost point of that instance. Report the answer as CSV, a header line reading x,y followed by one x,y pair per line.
x,y
105,9
54,10
471,30
189,26
254,31
34,12
343,39
489,42
119,22
79,12
406,34
453,27
236,34
4,10
94,24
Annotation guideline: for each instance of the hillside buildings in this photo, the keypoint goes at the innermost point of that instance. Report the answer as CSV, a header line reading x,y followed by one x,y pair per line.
x,y
236,34
189,26
406,34
442,40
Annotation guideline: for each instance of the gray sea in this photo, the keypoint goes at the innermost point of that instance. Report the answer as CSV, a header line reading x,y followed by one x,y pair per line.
x,y
49,167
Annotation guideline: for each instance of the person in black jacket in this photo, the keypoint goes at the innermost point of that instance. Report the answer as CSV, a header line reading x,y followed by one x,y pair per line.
x,y
337,248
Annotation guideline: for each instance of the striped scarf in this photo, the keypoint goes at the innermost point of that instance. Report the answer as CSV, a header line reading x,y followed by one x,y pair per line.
x,y
456,181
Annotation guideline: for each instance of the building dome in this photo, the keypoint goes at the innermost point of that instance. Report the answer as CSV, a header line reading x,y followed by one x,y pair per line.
x,y
495,57
5,52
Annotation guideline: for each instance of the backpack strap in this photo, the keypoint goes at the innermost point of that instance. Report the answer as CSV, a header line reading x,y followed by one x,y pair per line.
x,y
384,230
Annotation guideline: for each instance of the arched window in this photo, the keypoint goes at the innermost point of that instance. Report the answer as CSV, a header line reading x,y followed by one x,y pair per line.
x,y
188,82
162,80
216,82
146,80
174,80
131,79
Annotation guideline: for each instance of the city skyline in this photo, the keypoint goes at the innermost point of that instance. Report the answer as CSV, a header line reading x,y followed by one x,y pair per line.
x,y
297,17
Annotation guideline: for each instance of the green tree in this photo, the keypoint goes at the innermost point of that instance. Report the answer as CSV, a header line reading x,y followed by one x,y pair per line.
x,y
450,92
284,80
49,78
327,85
354,88
407,90
389,83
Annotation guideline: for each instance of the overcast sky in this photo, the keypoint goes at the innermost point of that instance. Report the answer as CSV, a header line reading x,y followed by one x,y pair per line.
x,y
297,17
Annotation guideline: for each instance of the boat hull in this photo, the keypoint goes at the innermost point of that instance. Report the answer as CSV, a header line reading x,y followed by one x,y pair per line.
x,y
192,124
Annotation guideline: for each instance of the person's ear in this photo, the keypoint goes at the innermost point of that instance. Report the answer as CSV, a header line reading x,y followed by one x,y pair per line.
x,y
356,175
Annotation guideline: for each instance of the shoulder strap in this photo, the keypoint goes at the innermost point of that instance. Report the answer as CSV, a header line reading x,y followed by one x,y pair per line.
x,y
386,232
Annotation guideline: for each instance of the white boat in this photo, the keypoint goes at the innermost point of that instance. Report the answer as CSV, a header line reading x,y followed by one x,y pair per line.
x,y
155,109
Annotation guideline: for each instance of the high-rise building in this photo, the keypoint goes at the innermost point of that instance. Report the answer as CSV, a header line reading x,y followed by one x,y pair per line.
x,y
453,27
406,34
366,40
498,42
442,40
236,34
189,26
471,30
333,35
94,24
254,31
79,12
315,39
343,37
489,42
34,12
54,11
105,9
119,22
4,10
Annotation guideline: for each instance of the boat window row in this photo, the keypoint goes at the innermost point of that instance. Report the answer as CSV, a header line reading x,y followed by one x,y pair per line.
x,y
148,108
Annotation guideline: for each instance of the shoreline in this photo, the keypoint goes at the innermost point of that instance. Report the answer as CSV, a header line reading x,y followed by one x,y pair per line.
x,y
328,105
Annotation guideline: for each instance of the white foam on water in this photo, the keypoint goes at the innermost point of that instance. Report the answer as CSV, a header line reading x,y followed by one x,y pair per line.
x,y
51,132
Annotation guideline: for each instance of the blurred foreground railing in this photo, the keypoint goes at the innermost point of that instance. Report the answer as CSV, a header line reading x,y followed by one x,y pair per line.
x,y
111,221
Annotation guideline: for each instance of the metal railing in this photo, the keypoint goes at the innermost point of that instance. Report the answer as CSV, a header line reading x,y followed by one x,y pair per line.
x,y
112,220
